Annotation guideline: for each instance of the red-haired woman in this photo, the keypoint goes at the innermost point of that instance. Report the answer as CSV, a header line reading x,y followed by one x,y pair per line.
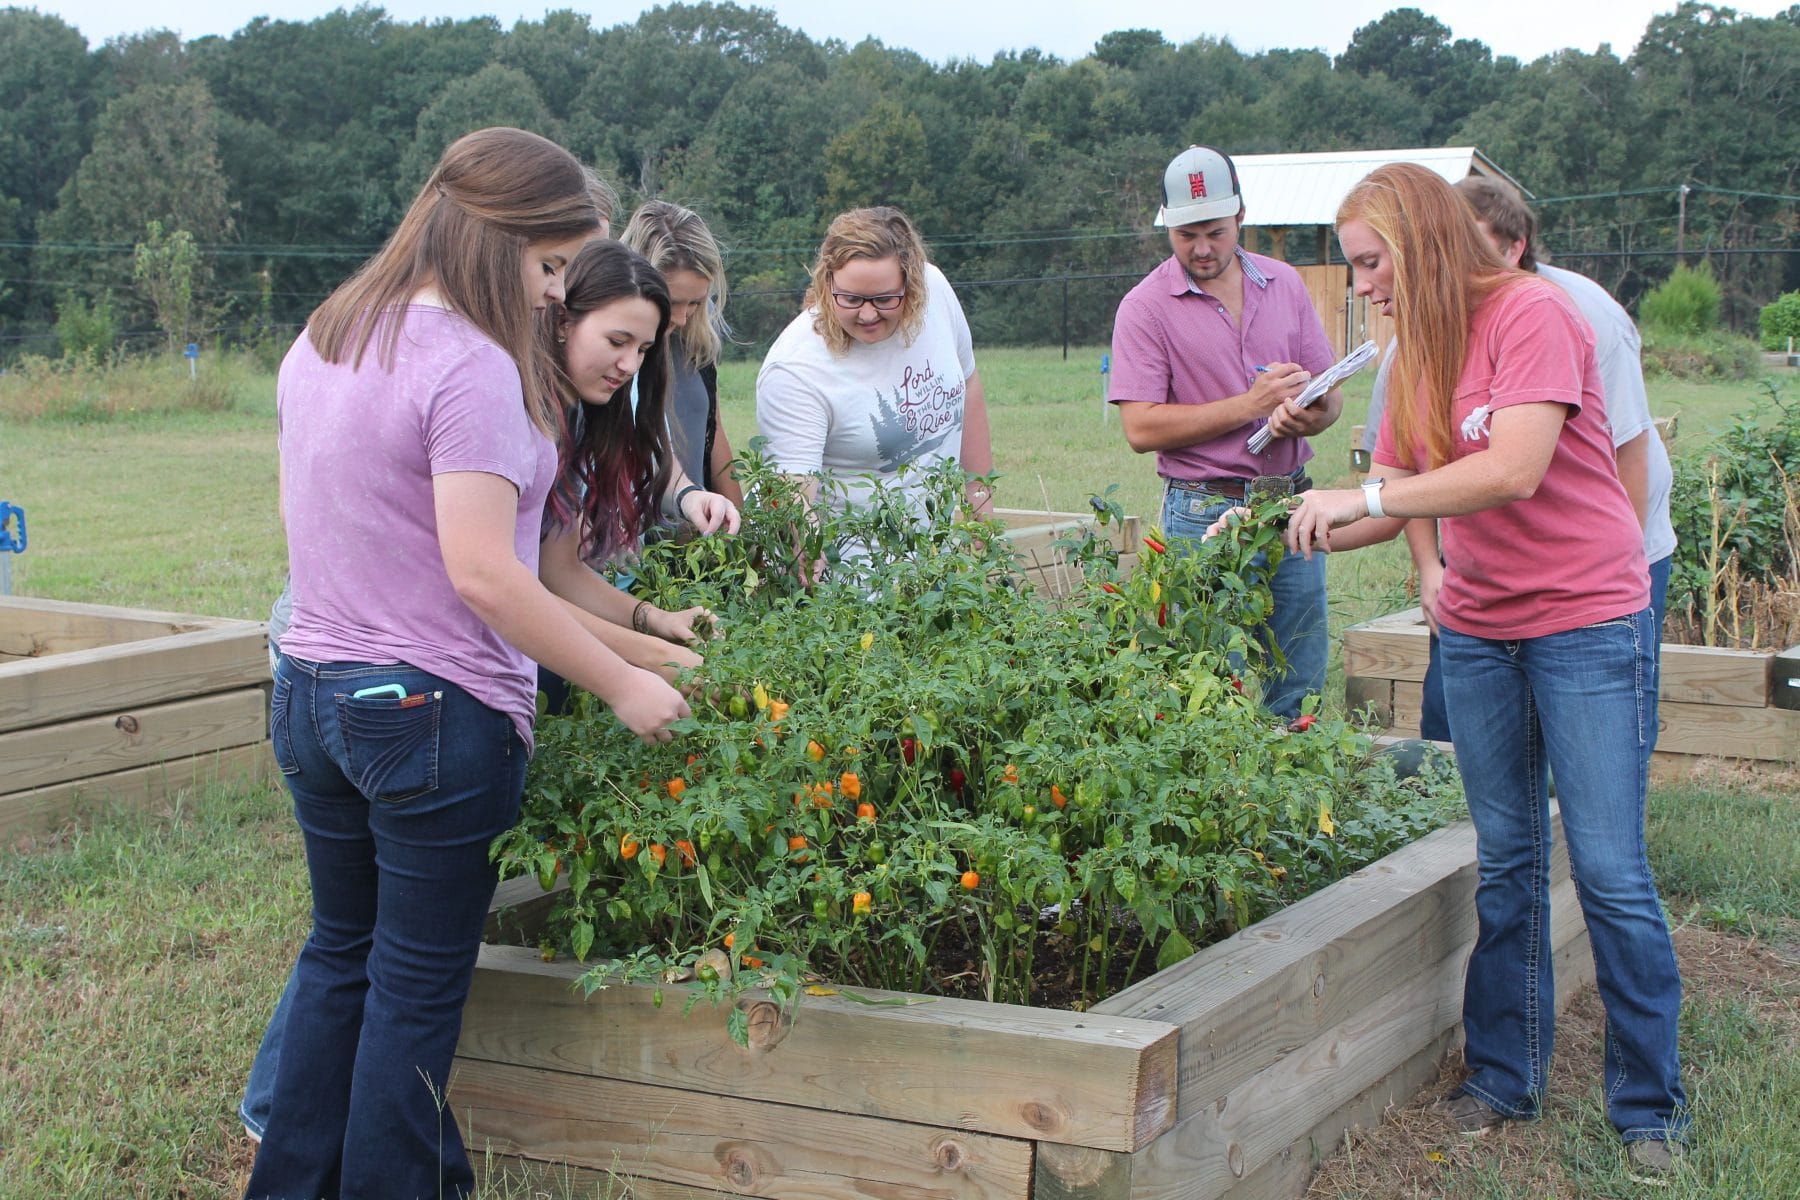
x,y
1497,427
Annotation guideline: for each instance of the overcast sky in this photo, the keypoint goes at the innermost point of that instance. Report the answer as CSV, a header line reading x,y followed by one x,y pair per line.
x,y
945,29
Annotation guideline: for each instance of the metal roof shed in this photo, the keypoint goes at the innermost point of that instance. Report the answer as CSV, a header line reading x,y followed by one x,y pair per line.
x,y
1284,192
1290,213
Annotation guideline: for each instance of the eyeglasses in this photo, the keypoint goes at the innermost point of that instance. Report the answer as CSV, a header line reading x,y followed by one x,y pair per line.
x,y
850,301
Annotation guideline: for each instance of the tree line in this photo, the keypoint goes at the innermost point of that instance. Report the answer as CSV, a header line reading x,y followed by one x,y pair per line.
x,y
269,163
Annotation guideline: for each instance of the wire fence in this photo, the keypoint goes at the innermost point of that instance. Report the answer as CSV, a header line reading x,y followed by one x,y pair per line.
x,y
1056,309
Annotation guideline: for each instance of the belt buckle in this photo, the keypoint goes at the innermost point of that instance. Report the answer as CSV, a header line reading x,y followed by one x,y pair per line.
x,y
1268,487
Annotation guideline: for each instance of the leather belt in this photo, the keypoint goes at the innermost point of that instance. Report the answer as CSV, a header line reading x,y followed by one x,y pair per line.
x,y
1235,489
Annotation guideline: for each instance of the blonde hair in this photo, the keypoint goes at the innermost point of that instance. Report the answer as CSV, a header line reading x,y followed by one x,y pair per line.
x,y
674,238
492,194
868,233
1443,269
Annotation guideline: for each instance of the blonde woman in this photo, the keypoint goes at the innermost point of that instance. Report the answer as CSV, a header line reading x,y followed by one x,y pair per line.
x,y
878,372
680,246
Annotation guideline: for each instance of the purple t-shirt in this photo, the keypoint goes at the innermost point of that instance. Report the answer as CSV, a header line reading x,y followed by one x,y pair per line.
x,y
359,449
1175,344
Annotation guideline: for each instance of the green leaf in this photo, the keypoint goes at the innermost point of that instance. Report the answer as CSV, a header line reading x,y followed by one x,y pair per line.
x,y
581,940
705,878
1125,884
1174,948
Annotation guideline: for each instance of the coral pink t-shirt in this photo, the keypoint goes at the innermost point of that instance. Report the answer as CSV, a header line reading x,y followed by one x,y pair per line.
x,y
1572,555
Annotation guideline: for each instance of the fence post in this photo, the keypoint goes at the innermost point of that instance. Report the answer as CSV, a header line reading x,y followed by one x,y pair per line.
x,y
12,541
1065,316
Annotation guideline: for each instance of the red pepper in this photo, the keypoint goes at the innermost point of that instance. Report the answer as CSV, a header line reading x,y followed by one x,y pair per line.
x,y
1162,613
1237,685
1109,589
1302,723
1155,545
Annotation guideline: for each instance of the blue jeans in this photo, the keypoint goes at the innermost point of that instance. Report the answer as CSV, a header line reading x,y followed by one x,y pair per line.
x,y
398,801
1435,725
1578,704
1297,622
259,1089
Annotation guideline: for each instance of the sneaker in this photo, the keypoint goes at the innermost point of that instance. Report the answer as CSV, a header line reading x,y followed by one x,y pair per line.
x,y
255,1137
1468,1113
1651,1161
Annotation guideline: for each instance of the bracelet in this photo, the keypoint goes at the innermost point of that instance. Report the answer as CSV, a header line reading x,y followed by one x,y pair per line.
x,y
640,617
683,495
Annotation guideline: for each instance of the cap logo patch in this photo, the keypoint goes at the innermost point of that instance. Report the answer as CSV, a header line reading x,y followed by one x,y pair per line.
x,y
1197,185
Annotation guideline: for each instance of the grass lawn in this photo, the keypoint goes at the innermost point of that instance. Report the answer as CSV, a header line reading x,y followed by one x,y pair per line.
x,y
141,953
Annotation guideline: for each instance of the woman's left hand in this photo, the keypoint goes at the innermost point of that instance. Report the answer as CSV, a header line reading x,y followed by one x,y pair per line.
x,y
710,512
688,627
1316,513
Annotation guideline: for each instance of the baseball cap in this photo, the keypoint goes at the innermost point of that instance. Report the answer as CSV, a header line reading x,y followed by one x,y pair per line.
x,y
1201,184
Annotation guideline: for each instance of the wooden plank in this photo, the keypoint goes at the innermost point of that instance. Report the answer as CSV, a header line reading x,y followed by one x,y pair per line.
x,y
501,1175
31,627
109,679
1218,1145
698,1139
1289,1172
998,1068
1770,734
44,809
1409,708
1387,651
1078,1173
135,737
1245,1002
1706,675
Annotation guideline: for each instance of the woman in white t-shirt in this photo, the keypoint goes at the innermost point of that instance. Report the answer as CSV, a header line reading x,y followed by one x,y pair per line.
x,y
877,374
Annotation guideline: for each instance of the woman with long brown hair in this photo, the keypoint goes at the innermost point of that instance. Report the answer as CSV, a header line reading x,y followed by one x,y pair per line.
x,y
416,432
1496,426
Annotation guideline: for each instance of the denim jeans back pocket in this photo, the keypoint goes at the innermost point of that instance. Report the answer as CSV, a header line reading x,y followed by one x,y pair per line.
x,y
391,745
281,702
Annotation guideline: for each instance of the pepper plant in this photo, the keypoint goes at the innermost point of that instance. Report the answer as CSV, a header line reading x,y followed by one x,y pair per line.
x,y
918,772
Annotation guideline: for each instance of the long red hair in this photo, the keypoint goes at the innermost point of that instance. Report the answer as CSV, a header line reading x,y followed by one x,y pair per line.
x,y
1443,269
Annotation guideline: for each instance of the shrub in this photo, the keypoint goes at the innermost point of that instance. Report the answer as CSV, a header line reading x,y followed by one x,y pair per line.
x,y
922,774
1734,579
1780,322
87,331
79,390
1686,302
1717,355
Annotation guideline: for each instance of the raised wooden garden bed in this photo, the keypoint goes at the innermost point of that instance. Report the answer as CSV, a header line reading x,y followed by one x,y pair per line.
x,y
102,706
1725,703
1034,535
1227,1075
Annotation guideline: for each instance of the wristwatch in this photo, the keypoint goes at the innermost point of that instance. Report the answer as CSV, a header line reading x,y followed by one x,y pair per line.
x,y
1371,489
